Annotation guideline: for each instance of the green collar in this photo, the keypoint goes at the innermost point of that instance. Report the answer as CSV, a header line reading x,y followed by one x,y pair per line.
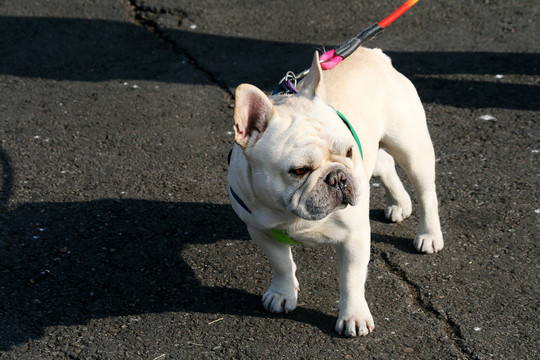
x,y
351,129
283,237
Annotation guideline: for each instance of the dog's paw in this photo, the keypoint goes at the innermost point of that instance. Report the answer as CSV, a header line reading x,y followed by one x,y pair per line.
x,y
277,302
397,213
398,208
356,324
428,243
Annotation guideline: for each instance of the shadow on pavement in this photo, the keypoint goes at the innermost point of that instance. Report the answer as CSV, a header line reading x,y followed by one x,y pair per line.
x,y
106,258
96,50
7,178
114,258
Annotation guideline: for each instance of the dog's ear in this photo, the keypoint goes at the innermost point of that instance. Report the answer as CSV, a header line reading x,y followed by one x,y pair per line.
x,y
313,84
252,111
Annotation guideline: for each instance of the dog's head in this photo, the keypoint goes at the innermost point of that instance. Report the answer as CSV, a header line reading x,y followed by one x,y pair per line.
x,y
302,157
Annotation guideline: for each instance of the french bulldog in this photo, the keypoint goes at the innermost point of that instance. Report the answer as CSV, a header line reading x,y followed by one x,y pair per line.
x,y
297,175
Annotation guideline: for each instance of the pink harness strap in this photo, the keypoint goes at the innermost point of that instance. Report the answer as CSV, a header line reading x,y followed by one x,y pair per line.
x,y
329,60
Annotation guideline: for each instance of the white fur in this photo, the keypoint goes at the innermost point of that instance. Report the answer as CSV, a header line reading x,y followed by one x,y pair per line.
x,y
276,134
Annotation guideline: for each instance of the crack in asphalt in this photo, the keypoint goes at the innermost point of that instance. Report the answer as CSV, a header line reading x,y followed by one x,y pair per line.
x,y
147,17
449,326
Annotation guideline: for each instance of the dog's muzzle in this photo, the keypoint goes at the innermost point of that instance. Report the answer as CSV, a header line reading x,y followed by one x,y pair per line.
x,y
340,187
338,181
335,191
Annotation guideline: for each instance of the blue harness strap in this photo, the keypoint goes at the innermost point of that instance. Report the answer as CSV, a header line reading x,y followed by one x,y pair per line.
x,y
238,200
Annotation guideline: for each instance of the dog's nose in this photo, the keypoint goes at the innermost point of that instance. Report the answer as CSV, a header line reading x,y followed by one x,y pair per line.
x,y
336,179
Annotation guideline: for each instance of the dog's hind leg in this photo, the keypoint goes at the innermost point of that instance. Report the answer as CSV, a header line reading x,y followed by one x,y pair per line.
x,y
398,202
413,151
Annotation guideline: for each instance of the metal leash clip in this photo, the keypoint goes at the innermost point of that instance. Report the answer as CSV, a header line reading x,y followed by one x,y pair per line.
x,y
287,85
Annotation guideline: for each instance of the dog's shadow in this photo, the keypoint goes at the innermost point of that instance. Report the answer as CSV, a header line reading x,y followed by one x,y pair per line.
x,y
68,263
404,245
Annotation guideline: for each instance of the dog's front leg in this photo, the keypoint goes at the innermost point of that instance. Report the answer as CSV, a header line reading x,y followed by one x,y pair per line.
x,y
353,256
283,292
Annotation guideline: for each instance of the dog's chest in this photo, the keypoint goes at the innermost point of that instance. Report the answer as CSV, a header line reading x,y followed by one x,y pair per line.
x,y
329,232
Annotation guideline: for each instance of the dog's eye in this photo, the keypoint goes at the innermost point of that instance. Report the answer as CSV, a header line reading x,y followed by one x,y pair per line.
x,y
349,152
300,171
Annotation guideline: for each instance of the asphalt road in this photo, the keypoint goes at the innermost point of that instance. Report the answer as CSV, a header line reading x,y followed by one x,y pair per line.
x,y
117,240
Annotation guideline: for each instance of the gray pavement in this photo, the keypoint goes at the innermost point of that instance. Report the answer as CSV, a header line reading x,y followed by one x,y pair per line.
x,y
117,240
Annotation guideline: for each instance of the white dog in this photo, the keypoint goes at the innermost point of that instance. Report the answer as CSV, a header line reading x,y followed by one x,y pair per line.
x,y
297,174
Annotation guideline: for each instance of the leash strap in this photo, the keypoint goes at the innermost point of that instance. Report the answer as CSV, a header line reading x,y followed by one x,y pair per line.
x,y
397,13
331,58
